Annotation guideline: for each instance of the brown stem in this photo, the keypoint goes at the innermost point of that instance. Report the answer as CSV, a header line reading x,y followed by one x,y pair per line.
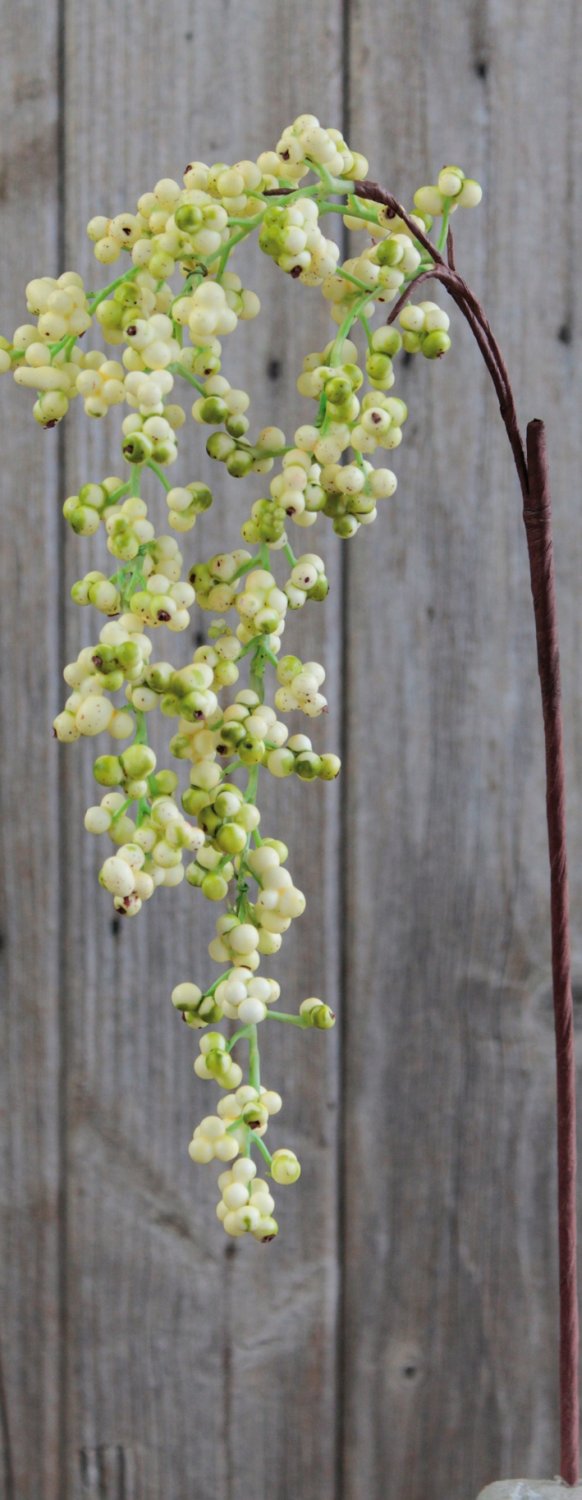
x,y
537,515
376,194
532,471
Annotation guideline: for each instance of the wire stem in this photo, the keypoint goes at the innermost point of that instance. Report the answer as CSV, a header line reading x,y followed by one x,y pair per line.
x,y
532,471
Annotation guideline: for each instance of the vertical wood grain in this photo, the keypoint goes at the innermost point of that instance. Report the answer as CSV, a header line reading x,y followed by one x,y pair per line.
x,y
450,1372
194,1364
162,1359
31,980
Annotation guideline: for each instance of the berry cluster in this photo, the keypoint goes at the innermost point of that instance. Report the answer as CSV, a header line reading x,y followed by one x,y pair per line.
x,y
165,317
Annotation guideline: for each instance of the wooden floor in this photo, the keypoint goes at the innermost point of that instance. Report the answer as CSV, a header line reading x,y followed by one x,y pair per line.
x,y
398,1342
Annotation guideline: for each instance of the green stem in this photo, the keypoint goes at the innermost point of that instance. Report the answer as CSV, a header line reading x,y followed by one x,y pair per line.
x,y
178,369
252,784
225,251
289,554
214,986
238,1036
254,1059
117,495
67,342
256,676
282,1015
186,288
356,210
141,728
135,481
244,568
285,197
127,276
367,329
120,811
159,473
355,280
442,239
143,808
357,307
256,1140
346,209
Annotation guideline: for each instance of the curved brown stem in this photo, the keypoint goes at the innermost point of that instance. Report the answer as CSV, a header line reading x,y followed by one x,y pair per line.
x,y
376,194
532,472
537,515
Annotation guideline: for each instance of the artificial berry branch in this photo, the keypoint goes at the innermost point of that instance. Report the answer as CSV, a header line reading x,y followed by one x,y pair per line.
x,y
170,339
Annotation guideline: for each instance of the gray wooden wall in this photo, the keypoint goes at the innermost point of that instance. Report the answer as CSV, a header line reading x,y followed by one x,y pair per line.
x,y
398,1341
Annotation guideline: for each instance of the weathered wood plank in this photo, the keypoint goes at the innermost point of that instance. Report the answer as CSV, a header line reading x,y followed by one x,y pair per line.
x,y
194,1364
450,1339
30,1053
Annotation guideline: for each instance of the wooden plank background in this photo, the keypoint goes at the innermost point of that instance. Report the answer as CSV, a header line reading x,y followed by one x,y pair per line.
x,y
399,1339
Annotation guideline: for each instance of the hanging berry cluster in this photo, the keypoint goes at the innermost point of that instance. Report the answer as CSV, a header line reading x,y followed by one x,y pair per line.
x,y
169,339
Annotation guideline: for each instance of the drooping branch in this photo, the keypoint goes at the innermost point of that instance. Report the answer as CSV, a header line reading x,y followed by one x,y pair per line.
x,y
532,471
537,516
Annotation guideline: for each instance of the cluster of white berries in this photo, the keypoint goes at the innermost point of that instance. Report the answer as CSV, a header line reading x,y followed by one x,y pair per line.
x,y
278,901
426,329
451,190
60,306
147,439
300,684
306,143
262,607
166,335
216,581
159,839
246,1205
120,657
53,375
187,502
381,270
292,237
244,997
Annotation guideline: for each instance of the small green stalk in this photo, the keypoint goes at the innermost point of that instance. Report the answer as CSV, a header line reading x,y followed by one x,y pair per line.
x,y
256,1140
178,369
367,330
67,343
141,728
121,810
244,568
256,677
355,280
281,1015
101,296
358,307
254,1060
252,784
442,239
117,495
159,473
244,1031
